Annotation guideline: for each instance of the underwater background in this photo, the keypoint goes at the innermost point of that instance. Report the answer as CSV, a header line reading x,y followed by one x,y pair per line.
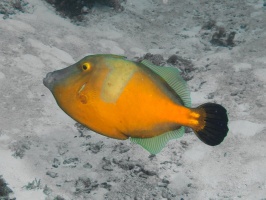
x,y
219,47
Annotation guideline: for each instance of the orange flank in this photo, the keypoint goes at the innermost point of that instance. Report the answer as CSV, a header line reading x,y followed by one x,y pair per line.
x,y
120,99
142,104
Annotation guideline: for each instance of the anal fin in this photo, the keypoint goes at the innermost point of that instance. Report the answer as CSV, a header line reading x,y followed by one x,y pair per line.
x,y
155,144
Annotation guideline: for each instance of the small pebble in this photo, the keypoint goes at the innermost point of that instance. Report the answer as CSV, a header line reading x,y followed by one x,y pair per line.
x,y
87,165
95,148
107,165
107,168
56,163
70,160
123,149
106,186
52,174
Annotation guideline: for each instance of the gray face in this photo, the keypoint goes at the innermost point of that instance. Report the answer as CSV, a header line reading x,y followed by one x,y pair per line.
x,y
56,76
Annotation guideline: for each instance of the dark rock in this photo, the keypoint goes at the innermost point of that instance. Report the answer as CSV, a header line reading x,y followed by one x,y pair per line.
x,y
19,147
166,162
210,95
47,190
84,184
209,25
35,184
82,130
116,4
142,175
149,173
156,59
95,147
107,167
173,59
59,198
161,184
152,156
184,144
87,165
165,181
106,186
107,164
125,164
5,191
17,5
137,169
185,64
230,38
62,148
71,162
75,9
123,148
56,163
52,174
11,7
165,193
243,26
221,38
234,93
135,166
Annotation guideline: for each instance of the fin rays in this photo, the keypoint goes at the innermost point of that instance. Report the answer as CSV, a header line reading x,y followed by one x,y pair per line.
x,y
173,79
155,144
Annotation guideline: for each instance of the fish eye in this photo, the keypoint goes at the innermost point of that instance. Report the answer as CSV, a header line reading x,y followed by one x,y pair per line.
x,y
86,66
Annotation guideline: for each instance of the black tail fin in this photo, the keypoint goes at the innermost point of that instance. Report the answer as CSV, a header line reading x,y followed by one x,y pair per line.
x,y
215,124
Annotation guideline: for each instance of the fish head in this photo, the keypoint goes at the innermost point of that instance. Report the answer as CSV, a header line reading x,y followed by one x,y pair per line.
x,y
69,75
71,86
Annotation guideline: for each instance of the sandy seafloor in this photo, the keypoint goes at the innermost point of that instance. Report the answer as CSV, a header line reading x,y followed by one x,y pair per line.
x,y
42,155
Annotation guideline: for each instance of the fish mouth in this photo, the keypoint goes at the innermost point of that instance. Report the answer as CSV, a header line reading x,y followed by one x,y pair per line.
x,y
48,81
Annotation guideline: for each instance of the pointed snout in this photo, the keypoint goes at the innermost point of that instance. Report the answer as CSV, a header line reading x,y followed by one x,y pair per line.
x,y
57,76
49,80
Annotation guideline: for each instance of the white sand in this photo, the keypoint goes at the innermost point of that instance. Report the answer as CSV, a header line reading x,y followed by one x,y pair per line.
x,y
32,125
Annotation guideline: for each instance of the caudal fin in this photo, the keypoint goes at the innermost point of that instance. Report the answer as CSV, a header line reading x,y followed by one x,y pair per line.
x,y
215,124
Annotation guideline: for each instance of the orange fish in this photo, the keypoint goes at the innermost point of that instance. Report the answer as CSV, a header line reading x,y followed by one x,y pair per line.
x,y
119,98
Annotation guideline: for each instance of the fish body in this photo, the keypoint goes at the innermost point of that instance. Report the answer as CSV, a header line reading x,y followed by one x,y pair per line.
x,y
119,98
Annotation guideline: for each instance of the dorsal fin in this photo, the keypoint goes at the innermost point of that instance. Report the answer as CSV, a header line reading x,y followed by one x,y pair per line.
x,y
113,56
173,79
155,144
105,56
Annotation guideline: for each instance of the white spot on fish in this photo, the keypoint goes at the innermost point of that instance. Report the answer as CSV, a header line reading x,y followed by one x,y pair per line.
x,y
116,81
82,87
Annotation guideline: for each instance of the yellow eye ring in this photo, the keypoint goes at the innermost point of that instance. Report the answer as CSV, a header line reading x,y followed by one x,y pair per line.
x,y
86,66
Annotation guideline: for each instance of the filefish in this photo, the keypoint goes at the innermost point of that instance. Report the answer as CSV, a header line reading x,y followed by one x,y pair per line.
x,y
122,99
